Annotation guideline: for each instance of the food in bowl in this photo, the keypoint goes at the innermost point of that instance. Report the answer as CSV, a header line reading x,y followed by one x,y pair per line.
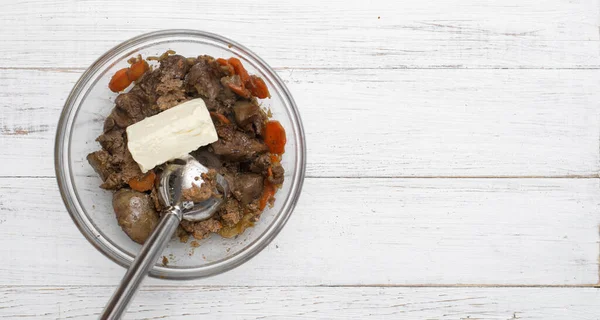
x,y
247,150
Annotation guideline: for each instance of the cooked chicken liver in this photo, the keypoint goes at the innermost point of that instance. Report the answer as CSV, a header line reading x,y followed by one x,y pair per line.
x,y
248,187
203,78
135,213
237,146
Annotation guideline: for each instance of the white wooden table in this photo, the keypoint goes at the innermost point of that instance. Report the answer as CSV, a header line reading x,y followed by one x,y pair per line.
x,y
453,147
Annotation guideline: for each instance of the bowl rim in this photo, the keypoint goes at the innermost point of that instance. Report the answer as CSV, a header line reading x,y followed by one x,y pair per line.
x,y
104,245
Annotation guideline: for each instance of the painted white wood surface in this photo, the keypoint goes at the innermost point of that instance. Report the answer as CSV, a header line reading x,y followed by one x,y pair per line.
x,y
340,303
355,232
498,98
319,34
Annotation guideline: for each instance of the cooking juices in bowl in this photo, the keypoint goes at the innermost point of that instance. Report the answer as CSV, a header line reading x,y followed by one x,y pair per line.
x,y
249,151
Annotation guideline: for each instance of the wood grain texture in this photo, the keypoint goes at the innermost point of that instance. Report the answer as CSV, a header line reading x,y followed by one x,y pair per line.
x,y
409,123
319,34
308,303
353,232
505,92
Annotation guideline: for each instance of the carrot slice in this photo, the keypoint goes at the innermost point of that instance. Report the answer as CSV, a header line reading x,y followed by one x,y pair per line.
x,y
144,183
226,64
257,87
137,69
239,69
275,137
268,193
220,117
119,81
240,90
275,158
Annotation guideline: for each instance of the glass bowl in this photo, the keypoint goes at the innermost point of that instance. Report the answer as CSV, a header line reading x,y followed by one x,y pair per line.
x,y
81,122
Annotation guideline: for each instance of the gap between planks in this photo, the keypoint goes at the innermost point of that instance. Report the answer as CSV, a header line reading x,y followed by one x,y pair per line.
x,y
459,285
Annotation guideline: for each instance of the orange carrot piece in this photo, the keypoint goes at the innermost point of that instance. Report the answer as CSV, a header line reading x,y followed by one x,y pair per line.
x,y
220,117
275,158
240,90
119,81
268,193
257,87
143,184
137,69
239,69
274,137
226,64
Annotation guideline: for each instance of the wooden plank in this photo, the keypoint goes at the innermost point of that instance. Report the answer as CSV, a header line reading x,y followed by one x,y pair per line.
x,y
307,303
350,232
382,123
316,34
